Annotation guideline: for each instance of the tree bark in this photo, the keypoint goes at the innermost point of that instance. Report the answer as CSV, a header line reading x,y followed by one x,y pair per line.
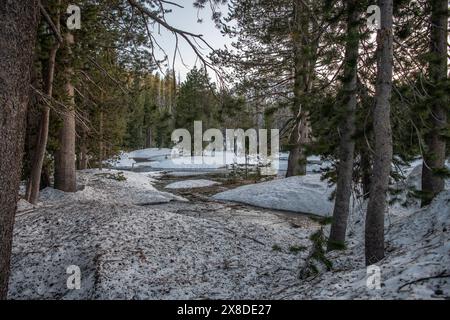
x,y
383,138
18,26
100,141
83,156
299,138
41,146
366,168
434,157
45,177
148,138
32,124
347,143
65,159
303,67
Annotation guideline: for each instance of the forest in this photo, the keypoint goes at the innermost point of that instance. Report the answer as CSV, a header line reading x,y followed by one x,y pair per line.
x,y
334,183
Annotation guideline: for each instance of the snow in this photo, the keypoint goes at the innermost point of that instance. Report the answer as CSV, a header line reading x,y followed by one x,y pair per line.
x,y
163,159
151,154
416,265
108,186
181,174
190,184
303,194
128,159
24,205
132,241
309,194
414,178
194,163
315,164
216,161
417,242
123,160
176,250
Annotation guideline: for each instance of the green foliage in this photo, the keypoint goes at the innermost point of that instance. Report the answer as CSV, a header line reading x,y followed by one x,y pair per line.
x,y
317,258
119,176
297,249
196,101
336,246
276,248
323,221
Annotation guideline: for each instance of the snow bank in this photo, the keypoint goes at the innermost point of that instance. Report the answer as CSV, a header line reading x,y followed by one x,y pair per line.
x,y
191,184
305,194
112,186
24,205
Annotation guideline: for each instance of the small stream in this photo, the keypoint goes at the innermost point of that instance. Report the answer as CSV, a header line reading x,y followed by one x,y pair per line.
x,y
201,203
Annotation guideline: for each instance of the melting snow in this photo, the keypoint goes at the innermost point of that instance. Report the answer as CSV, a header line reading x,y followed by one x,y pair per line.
x,y
127,250
190,184
132,241
306,194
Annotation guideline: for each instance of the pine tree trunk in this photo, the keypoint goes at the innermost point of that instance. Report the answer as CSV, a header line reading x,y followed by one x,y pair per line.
x,y
18,26
32,126
383,138
45,177
299,137
65,159
434,158
366,168
148,138
100,144
41,147
297,156
347,143
83,157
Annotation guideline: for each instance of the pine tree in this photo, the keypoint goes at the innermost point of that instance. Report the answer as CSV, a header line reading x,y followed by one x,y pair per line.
x,y
374,235
65,157
438,129
34,183
347,130
18,25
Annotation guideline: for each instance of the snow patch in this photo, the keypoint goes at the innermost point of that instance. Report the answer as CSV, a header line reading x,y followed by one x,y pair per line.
x,y
303,194
112,186
191,184
24,205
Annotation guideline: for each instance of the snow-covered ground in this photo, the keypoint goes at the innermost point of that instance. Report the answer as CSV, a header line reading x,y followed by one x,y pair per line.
x,y
417,263
416,266
112,186
307,194
132,241
191,184
129,249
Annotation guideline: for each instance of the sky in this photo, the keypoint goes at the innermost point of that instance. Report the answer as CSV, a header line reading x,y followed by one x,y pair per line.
x,y
187,19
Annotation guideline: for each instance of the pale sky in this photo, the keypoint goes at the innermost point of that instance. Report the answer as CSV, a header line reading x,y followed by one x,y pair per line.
x,y
187,19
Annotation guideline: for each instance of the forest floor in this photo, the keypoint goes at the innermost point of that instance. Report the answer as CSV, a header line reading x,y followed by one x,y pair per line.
x,y
132,239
